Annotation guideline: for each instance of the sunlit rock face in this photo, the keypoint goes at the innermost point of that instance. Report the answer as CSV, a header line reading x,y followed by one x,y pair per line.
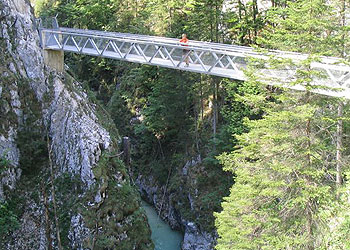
x,y
78,138
36,100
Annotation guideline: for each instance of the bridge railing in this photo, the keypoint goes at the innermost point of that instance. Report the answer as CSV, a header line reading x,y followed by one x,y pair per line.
x,y
222,60
202,60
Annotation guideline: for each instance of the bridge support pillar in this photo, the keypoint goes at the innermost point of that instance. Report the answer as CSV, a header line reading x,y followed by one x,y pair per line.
x,y
54,59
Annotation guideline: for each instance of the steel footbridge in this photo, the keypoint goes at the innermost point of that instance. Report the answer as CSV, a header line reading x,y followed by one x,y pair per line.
x,y
332,75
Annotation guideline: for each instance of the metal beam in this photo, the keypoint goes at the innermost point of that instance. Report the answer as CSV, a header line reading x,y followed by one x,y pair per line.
x,y
208,58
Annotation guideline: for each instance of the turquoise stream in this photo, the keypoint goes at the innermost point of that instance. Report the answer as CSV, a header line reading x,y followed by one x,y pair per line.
x,y
163,236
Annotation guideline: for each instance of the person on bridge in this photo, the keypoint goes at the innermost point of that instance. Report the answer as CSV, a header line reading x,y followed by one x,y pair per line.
x,y
185,52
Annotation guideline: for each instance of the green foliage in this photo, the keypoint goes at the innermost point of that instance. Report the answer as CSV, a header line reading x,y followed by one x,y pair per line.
x,y
281,183
211,189
8,220
169,114
33,150
123,205
165,137
4,164
205,15
284,164
93,14
246,21
69,189
8,117
31,139
308,26
121,114
233,111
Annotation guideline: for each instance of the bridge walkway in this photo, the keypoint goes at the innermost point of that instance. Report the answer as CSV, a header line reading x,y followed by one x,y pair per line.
x,y
217,59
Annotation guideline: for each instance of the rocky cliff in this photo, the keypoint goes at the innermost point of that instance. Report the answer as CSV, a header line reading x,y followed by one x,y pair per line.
x,y
61,181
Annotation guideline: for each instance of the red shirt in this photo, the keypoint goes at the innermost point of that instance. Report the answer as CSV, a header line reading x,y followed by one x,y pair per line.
x,y
184,40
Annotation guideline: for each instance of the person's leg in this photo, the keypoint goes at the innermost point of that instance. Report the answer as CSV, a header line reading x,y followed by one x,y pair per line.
x,y
184,56
187,59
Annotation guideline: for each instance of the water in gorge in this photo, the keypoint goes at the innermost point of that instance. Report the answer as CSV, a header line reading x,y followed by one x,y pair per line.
x,y
163,236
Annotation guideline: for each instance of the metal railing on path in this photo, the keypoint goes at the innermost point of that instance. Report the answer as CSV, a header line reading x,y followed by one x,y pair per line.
x,y
217,59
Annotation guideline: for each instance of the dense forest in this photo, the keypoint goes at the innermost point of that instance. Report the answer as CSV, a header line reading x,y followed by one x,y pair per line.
x,y
272,164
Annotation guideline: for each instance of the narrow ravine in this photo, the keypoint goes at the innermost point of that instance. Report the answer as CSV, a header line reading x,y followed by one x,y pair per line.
x,y
164,238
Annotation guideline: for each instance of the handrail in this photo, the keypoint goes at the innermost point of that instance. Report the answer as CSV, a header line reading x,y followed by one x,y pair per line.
x,y
209,58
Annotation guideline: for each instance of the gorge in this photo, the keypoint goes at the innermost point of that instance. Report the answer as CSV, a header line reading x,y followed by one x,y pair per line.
x,y
102,153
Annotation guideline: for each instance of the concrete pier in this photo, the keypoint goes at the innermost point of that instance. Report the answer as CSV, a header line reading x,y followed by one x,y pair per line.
x,y
54,59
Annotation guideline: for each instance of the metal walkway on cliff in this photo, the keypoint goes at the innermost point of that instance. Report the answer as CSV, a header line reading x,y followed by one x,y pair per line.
x,y
217,59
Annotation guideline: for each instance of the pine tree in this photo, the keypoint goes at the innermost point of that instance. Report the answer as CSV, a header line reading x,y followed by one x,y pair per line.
x,y
245,21
285,166
205,15
281,183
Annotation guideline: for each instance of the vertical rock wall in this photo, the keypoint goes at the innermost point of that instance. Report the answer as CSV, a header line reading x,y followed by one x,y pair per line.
x,y
94,199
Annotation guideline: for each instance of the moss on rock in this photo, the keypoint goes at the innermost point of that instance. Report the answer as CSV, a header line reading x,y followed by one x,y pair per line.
x,y
118,220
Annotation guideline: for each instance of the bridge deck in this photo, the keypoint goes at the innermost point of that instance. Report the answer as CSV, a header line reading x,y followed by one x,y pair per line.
x,y
209,58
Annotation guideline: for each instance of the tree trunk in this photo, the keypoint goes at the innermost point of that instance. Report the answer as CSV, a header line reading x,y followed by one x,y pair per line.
x,y
202,101
339,144
217,21
255,13
310,241
214,107
47,220
240,8
340,115
126,150
59,244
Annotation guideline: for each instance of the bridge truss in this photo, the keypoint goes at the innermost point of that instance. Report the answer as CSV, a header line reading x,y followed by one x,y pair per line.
x,y
217,59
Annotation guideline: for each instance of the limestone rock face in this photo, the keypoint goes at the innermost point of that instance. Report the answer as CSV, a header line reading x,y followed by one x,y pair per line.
x,y
29,234
77,138
58,109
78,231
8,149
195,239
71,119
